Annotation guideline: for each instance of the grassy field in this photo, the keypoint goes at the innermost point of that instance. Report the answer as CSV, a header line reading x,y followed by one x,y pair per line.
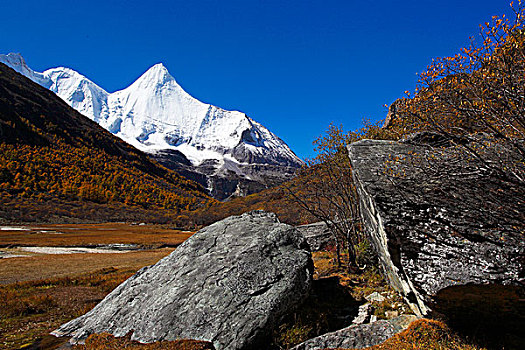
x,y
41,267
30,310
42,291
36,266
92,234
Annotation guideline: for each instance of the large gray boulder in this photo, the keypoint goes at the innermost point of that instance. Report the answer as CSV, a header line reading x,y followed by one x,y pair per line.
x,y
317,235
227,284
436,220
358,336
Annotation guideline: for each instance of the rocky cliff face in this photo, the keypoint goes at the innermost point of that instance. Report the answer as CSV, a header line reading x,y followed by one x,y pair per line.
x,y
437,222
227,284
229,179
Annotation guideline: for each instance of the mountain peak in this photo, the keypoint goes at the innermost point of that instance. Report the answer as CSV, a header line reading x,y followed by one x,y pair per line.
x,y
155,113
159,66
15,61
15,58
157,74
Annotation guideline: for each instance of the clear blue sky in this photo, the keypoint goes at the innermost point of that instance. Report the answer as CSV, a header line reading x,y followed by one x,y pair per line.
x,y
294,66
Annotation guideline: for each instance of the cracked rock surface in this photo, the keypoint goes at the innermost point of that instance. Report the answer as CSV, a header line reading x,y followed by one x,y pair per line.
x,y
228,284
438,221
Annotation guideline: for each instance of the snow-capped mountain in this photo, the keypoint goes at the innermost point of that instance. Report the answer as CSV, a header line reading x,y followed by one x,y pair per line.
x,y
157,116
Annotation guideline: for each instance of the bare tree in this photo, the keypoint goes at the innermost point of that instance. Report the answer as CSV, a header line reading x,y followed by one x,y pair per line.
x,y
328,193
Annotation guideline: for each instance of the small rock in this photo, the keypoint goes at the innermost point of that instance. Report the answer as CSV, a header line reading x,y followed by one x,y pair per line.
x,y
359,336
317,235
375,296
391,314
363,314
373,318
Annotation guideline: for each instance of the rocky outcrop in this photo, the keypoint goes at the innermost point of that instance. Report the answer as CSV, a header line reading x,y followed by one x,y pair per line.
x,y
227,284
232,179
359,336
437,220
317,235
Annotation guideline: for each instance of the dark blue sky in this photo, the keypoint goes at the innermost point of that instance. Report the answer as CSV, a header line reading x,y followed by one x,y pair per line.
x,y
294,66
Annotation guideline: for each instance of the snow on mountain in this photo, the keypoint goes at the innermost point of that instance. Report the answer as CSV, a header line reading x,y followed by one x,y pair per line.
x,y
79,92
155,114
17,62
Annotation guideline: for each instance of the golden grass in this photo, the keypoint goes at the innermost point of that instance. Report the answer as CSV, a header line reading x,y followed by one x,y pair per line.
x,y
325,264
94,234
30,310
40,267
358,285
41,292
425,334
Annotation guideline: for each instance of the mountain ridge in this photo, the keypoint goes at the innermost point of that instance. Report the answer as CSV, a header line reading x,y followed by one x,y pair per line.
x,y
156,115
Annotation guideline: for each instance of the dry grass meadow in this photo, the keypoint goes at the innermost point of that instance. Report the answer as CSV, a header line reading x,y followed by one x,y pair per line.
x,y
46,266
60,235
42,291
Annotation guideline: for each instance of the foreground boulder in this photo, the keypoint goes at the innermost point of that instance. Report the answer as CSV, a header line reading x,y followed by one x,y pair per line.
x,y
228,284
437,221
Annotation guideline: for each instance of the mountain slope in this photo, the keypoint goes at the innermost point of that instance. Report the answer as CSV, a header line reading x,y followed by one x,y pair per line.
x,y
50,153
219,148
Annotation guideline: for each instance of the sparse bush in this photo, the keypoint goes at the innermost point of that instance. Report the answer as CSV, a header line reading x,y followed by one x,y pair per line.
x,y
480,90
366,255
328,192
294,335
24,306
